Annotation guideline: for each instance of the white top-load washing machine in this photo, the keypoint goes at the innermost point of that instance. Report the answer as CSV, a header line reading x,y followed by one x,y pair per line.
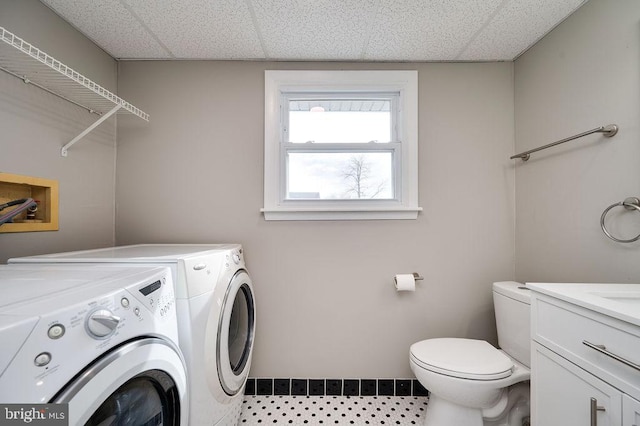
x,y
101,339
216,317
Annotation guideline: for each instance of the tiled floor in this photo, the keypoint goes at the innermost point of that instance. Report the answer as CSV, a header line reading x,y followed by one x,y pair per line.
x,y
332,410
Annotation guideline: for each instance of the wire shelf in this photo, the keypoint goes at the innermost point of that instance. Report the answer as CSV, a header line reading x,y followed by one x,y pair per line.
x,y
32,65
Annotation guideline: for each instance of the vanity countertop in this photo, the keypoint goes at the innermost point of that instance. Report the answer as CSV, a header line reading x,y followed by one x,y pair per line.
x,y
621,301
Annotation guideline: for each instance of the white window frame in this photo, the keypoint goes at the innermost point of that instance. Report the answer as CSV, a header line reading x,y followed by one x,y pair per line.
x,y
405,149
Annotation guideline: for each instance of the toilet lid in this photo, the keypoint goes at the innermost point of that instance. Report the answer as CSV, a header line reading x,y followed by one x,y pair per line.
x,y
462,358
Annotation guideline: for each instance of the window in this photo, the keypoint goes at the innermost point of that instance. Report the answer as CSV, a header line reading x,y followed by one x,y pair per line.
x,y
340,145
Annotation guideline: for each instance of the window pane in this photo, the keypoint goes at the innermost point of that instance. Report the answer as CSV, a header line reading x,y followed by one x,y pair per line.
x,y
340,120
340,176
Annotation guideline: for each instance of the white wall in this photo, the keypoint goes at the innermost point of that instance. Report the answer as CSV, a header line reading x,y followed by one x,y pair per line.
x,y
583,75
36,124
326,303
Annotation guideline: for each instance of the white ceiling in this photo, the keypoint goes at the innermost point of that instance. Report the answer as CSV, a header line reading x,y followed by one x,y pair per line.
x,y
316,30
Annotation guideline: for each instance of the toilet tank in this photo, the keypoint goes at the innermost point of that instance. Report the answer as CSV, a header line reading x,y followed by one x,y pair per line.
x,y
512,303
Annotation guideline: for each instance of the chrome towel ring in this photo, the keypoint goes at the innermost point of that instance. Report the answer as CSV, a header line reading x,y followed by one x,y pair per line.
x,y
630,203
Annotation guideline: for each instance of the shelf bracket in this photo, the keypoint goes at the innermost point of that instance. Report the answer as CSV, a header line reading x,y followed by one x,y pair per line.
x,y
99,121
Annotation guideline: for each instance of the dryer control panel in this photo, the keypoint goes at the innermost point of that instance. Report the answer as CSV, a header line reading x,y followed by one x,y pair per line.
x,y
201,272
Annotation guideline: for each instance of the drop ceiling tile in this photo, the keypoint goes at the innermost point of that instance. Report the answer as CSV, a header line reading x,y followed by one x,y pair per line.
x,y
517,26
201,29
111,26
315,30
419,30
374,30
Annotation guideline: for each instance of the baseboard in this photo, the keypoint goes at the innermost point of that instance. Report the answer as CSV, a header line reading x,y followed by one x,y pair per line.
x,y
334,387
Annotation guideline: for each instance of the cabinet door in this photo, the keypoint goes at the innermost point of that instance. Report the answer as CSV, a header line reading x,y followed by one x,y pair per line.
x,y
630,411
562,394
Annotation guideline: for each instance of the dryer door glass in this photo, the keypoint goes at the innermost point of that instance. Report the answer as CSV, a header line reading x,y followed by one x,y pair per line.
x,y
147,399
236,328
240,329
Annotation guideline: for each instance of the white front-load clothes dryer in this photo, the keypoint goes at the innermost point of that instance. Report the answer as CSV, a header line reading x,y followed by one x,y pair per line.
x,y
216,317
101,339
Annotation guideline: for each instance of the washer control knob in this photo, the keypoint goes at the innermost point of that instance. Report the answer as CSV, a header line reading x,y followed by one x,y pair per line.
x,y
124,302
101,323
56,331
236,258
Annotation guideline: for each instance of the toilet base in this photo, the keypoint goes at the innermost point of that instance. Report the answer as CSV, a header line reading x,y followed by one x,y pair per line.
x,y
518,410
441,412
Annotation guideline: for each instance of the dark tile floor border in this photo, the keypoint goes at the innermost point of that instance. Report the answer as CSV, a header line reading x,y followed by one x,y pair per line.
x,y
334,387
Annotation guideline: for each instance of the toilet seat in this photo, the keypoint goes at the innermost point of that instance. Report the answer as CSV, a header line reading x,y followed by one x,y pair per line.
x,y
462,358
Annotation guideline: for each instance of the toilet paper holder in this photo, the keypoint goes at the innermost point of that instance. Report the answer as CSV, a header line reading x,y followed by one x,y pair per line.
x,y
417,277
407,282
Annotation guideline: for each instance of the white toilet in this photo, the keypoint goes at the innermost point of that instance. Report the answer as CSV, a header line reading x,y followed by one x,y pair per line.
x,y
471,383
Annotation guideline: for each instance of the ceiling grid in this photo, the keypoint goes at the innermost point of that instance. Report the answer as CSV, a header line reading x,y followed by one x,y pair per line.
x,y
318,30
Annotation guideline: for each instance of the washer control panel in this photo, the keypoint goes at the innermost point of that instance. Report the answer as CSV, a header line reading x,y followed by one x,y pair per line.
x,y
81,325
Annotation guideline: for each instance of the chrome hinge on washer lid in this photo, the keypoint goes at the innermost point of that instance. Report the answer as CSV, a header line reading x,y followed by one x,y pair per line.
x,y
199,266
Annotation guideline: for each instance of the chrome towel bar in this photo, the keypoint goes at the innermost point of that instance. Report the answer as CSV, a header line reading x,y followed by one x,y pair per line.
x,y
608,131
630,203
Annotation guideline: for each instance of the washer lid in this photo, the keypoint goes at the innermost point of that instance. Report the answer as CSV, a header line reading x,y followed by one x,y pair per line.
x,y
462,358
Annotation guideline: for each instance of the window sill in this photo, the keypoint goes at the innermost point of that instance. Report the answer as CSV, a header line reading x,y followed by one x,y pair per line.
x,y
407,213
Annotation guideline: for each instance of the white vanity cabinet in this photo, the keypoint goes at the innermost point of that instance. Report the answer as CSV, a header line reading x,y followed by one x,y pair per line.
x,y
564,393
585,366
630,411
